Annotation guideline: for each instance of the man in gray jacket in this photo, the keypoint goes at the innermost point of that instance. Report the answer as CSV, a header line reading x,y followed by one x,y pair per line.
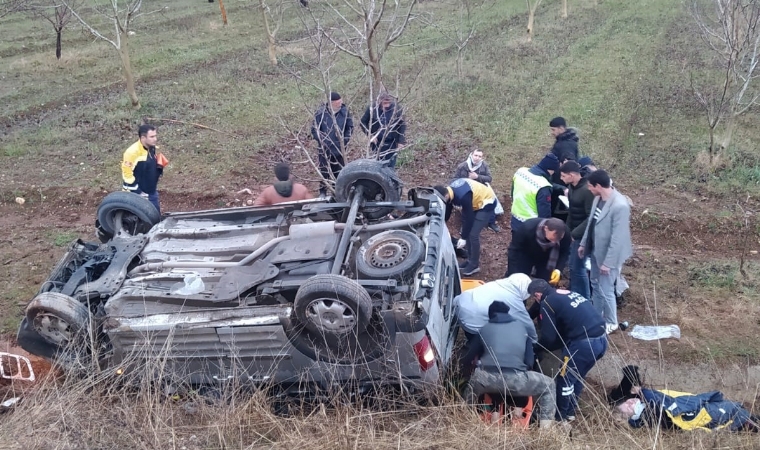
x,y
506,357
607,240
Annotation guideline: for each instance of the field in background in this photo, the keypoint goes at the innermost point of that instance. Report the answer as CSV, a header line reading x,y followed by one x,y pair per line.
x,y
618,71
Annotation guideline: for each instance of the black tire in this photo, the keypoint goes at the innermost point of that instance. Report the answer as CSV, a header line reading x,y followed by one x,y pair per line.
x,y
380,182
332,305
393,254
58,318
139,214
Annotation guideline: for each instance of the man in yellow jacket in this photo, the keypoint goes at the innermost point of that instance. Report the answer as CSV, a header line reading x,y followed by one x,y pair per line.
x,y
478,202
141,166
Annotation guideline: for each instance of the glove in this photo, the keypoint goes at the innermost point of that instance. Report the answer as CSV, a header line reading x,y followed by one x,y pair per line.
x,y
461,243
554,279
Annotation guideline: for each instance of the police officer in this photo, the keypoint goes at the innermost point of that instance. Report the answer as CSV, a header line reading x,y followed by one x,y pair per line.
x,y
568,321
478,202
532,191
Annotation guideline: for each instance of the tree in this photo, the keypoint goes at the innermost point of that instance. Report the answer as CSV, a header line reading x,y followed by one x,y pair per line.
x,y
364,29
732,33
564,9
272,13
120,14
531,16
223,11
59,15
463,31
8,7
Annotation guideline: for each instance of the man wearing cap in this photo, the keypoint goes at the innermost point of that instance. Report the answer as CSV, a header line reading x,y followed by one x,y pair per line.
x,y
478,202
283,190
566,140
607,241
506,358
332,130
569,322
542,245
385,126
580,200
142,167
532,191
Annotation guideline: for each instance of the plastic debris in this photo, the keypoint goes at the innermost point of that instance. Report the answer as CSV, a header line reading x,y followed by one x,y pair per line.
x,y
655,332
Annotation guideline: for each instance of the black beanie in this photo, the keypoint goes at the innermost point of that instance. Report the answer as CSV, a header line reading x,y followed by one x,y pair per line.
x,y
334,96
557,122
570,167
550,162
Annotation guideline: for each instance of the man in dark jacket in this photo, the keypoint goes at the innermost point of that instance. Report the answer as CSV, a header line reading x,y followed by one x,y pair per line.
x,y
540,244
142,167
385,126
571,323
580,200
506,357
332,130
532,191
566,140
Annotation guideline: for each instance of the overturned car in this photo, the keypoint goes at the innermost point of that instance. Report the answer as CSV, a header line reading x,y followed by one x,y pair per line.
x,y
308,294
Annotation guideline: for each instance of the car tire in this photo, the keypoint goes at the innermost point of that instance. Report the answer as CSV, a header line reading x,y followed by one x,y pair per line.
x,y
59,319
332,305
380,182
139,214
392,254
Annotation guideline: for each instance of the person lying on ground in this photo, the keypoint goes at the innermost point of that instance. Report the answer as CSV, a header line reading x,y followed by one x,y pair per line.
x,y
283,190
681,410
506,357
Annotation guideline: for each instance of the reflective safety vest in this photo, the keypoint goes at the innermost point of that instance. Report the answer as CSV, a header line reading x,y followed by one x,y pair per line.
x,y
693,419
525,186
482,194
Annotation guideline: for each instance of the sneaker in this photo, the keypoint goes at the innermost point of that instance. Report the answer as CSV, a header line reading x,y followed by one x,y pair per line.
x,y
611,328
495,228
467,273
463,264
570,418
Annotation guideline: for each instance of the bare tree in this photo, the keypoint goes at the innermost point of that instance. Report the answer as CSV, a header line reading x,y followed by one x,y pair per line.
x,y
564,9
8,7
531,16
364,29
732,32
58,14
272,13
463,31
223,11
120,14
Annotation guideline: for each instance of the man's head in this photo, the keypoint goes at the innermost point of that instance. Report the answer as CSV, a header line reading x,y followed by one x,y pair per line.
x,y
497,307
598,181
282,171
550,163
554,229
630,408
385,100
443,191
476,155
557,126
336,101
570,172
539,288
147,135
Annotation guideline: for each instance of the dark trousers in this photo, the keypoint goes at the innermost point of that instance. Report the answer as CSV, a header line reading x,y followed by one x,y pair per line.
x,y
330,166
387,154
482,216
153,198
581,355
521,263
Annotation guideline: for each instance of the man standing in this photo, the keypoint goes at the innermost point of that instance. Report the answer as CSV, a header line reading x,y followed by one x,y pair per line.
x,y
532,191
385,126
566,140
568,322
477,202
607,240
540,244
506,358
283,190
580,201
332,130
476,168
141,166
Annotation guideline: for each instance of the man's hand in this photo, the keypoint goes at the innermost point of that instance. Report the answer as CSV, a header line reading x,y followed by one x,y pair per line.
x,y
144,195
473,176
604,270
461,243
581,252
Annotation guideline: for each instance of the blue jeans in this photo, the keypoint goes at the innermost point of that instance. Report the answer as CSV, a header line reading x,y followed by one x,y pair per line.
x,y
603,292
153,198
582,355
578,276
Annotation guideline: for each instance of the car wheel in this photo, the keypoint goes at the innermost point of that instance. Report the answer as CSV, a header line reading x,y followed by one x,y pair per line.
x,y
390,254
58,318
333,305
380,183
138,215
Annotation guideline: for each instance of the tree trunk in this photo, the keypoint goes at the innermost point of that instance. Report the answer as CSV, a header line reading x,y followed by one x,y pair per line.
x,y
564,9
531,17
128,76
58,44
271,42
728,135
224,12
711,149
460,62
